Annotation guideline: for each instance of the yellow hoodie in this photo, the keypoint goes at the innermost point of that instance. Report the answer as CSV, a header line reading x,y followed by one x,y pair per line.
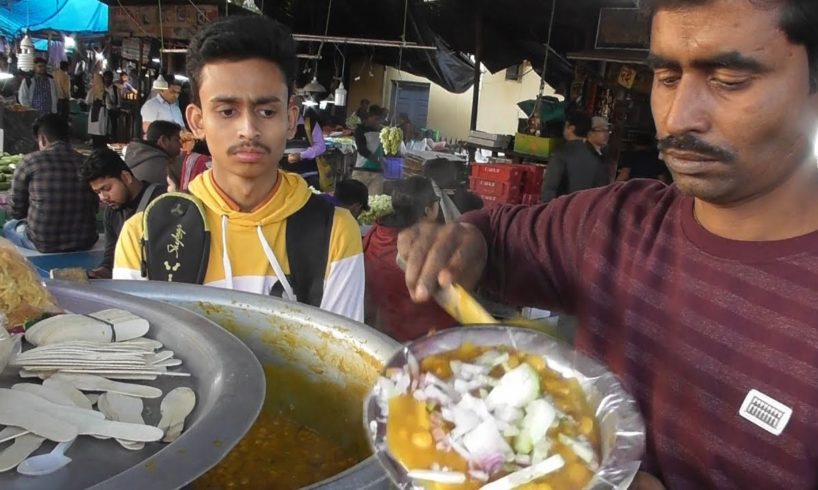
x,y
238,259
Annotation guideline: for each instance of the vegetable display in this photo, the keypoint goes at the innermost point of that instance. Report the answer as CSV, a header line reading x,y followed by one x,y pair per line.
x,y
379,205
8,163
391,139
491,419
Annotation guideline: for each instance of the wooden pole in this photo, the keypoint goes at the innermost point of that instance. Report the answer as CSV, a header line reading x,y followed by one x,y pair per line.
x,y
136,120
478,58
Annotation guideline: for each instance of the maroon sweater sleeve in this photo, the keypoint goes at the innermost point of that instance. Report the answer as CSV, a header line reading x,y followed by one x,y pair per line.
x,y
535,252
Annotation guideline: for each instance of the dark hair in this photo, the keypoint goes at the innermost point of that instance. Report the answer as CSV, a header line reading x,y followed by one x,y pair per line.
x,y
350,191
466,201
365,101
798,20
63,65
443,172
200,147
172,80
157,129
238,38
53,127
108,76
410,198
39,60
376,110
101,164
580,121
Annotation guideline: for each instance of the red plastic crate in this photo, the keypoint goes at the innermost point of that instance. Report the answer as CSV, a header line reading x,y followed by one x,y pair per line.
x,y
494,187
533,176
489,200
501,172
530,199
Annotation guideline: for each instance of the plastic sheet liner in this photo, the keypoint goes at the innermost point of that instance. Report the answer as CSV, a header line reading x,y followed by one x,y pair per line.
x,y
622,429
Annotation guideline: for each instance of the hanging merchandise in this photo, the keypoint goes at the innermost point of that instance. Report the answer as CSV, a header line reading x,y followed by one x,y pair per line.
x,y
25,62
341,95
341,92
391,139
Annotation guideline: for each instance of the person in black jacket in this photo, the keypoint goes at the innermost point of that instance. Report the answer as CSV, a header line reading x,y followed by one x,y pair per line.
x,y
111,179
577,164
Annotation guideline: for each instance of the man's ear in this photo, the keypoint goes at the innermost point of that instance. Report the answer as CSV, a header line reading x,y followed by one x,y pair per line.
x,y
126,177
195,118
292,118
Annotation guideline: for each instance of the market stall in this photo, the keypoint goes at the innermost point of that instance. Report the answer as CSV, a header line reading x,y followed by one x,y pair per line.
x,y
17,122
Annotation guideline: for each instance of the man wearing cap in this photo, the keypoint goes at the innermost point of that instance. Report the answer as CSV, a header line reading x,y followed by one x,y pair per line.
x,y
577,164
600,134
164,107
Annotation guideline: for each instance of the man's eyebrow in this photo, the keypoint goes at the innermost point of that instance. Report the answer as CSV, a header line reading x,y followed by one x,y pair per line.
x,y
656,62
232,99
732,60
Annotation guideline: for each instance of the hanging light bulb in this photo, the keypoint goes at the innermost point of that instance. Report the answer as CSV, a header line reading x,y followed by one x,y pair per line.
x,y
314,86
251,6
25,62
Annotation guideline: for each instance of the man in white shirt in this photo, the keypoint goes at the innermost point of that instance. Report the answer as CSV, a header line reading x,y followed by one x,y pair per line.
x,y
39,91
163,107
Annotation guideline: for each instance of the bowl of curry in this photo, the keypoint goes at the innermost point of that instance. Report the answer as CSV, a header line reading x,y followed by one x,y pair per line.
x,y
501,408
318,369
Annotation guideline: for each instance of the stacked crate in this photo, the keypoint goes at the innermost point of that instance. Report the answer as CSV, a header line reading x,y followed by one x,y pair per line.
x,y
506,183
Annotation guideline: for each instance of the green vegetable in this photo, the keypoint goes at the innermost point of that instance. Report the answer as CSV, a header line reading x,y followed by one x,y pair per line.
x,y
391,139
539,415
379,205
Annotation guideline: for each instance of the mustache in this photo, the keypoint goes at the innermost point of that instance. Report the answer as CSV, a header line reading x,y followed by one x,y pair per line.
x,y
258,147
691,143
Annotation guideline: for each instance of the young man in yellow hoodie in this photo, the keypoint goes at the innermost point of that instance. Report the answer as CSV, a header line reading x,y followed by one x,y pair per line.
x,y
242,72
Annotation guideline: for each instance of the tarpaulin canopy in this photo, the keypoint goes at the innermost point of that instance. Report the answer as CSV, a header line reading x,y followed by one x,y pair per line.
x,y
78,17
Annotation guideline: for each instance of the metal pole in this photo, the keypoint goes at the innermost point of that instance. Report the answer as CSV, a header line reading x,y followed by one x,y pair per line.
x,y
478,57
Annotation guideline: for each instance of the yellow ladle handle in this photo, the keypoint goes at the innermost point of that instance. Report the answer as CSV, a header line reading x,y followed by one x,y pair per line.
x,y
458,303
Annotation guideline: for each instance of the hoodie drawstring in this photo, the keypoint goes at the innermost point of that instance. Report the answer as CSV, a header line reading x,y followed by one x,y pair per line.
x,y
228,268
271,258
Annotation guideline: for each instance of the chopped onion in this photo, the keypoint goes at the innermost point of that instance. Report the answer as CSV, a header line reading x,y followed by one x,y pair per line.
x,y
583,451
479,475
523,460
485,444
448,477
509,414
492,359
516,388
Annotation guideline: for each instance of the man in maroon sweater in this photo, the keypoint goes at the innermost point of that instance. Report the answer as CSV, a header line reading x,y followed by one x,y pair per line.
x,y
702,296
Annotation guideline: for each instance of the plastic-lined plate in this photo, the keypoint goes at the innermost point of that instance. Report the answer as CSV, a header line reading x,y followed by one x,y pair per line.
x,y
622,430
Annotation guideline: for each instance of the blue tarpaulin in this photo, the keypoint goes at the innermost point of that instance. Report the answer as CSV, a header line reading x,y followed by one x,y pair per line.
x,y
77,17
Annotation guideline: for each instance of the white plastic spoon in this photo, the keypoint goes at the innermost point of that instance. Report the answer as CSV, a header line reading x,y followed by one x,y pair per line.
x,y
175,408
22,447
45,464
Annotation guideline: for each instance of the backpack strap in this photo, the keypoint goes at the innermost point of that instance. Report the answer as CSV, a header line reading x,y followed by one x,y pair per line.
x,y
175,239
307,237
146,198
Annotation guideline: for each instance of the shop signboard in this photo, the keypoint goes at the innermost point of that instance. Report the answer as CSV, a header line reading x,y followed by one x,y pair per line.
x,y
623,28
178,22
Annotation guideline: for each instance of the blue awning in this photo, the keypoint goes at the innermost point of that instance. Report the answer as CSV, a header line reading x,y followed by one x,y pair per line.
x,y
81,17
